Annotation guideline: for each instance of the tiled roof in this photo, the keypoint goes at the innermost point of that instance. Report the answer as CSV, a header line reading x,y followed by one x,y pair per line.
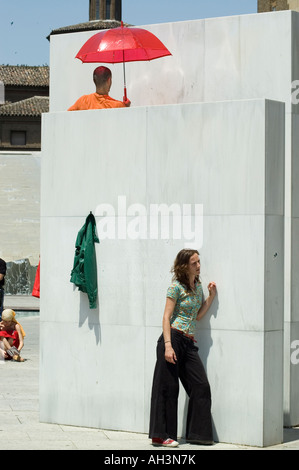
x,y
88,26
24,75
30,107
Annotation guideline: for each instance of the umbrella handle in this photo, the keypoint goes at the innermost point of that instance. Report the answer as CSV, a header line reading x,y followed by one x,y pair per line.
x,y
125,85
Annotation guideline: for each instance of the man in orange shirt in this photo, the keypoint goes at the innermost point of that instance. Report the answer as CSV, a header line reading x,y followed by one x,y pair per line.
x,y
102,78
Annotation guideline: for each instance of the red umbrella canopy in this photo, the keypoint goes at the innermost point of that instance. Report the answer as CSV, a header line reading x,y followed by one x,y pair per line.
x,y
122,45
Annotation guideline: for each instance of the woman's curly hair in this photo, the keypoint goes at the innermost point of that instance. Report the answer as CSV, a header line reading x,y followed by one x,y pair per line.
x,y
180,267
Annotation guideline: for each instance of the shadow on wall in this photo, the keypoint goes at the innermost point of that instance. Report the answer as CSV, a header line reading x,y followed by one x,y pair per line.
x,y
20,276
204,343
91,315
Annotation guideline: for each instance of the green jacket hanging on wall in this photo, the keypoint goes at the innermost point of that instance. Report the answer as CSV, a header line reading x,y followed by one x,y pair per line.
x,y
84,272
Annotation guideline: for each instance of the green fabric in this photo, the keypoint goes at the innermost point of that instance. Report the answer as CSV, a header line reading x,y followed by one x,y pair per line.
x,y
84,272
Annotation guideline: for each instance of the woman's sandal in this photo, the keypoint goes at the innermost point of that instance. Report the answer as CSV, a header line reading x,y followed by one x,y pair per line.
x,y
17,358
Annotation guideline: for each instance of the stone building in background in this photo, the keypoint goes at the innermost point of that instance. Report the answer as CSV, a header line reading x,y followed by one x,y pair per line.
x,y
277,5
24,97
105,10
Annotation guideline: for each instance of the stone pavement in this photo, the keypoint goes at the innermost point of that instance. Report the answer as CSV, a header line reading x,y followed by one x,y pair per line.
x,y
21,302
20,428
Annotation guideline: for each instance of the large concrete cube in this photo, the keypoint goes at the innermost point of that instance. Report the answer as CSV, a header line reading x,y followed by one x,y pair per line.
x,y
228,158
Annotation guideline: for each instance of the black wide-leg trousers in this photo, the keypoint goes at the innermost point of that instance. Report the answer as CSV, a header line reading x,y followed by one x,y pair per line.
x,y
165,391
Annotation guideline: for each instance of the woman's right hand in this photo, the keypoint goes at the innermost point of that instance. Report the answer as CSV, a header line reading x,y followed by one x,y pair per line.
x,y
170,355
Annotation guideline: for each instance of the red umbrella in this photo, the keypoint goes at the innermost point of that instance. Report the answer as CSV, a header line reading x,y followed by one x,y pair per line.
x,y
122,45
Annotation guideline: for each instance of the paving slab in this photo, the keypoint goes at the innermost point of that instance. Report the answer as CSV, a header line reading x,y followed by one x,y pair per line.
x,y
26,303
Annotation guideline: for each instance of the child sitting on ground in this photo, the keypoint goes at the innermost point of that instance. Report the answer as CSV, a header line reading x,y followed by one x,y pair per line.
x,y
11,336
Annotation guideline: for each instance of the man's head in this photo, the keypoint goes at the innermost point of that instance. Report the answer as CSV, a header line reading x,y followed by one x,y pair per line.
x,y
102,78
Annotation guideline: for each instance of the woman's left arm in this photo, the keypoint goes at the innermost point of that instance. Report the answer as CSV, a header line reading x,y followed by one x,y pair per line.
x,y
208,302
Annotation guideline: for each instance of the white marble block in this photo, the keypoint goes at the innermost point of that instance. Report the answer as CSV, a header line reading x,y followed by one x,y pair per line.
x,y
228,157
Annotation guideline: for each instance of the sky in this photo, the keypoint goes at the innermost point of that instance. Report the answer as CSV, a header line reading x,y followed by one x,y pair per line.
x,y
25,24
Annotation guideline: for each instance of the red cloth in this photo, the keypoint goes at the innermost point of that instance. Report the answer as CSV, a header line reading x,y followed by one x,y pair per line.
x,y
36,285
12,334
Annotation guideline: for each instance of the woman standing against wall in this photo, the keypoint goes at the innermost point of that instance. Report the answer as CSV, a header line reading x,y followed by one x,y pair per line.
x,y
177,358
